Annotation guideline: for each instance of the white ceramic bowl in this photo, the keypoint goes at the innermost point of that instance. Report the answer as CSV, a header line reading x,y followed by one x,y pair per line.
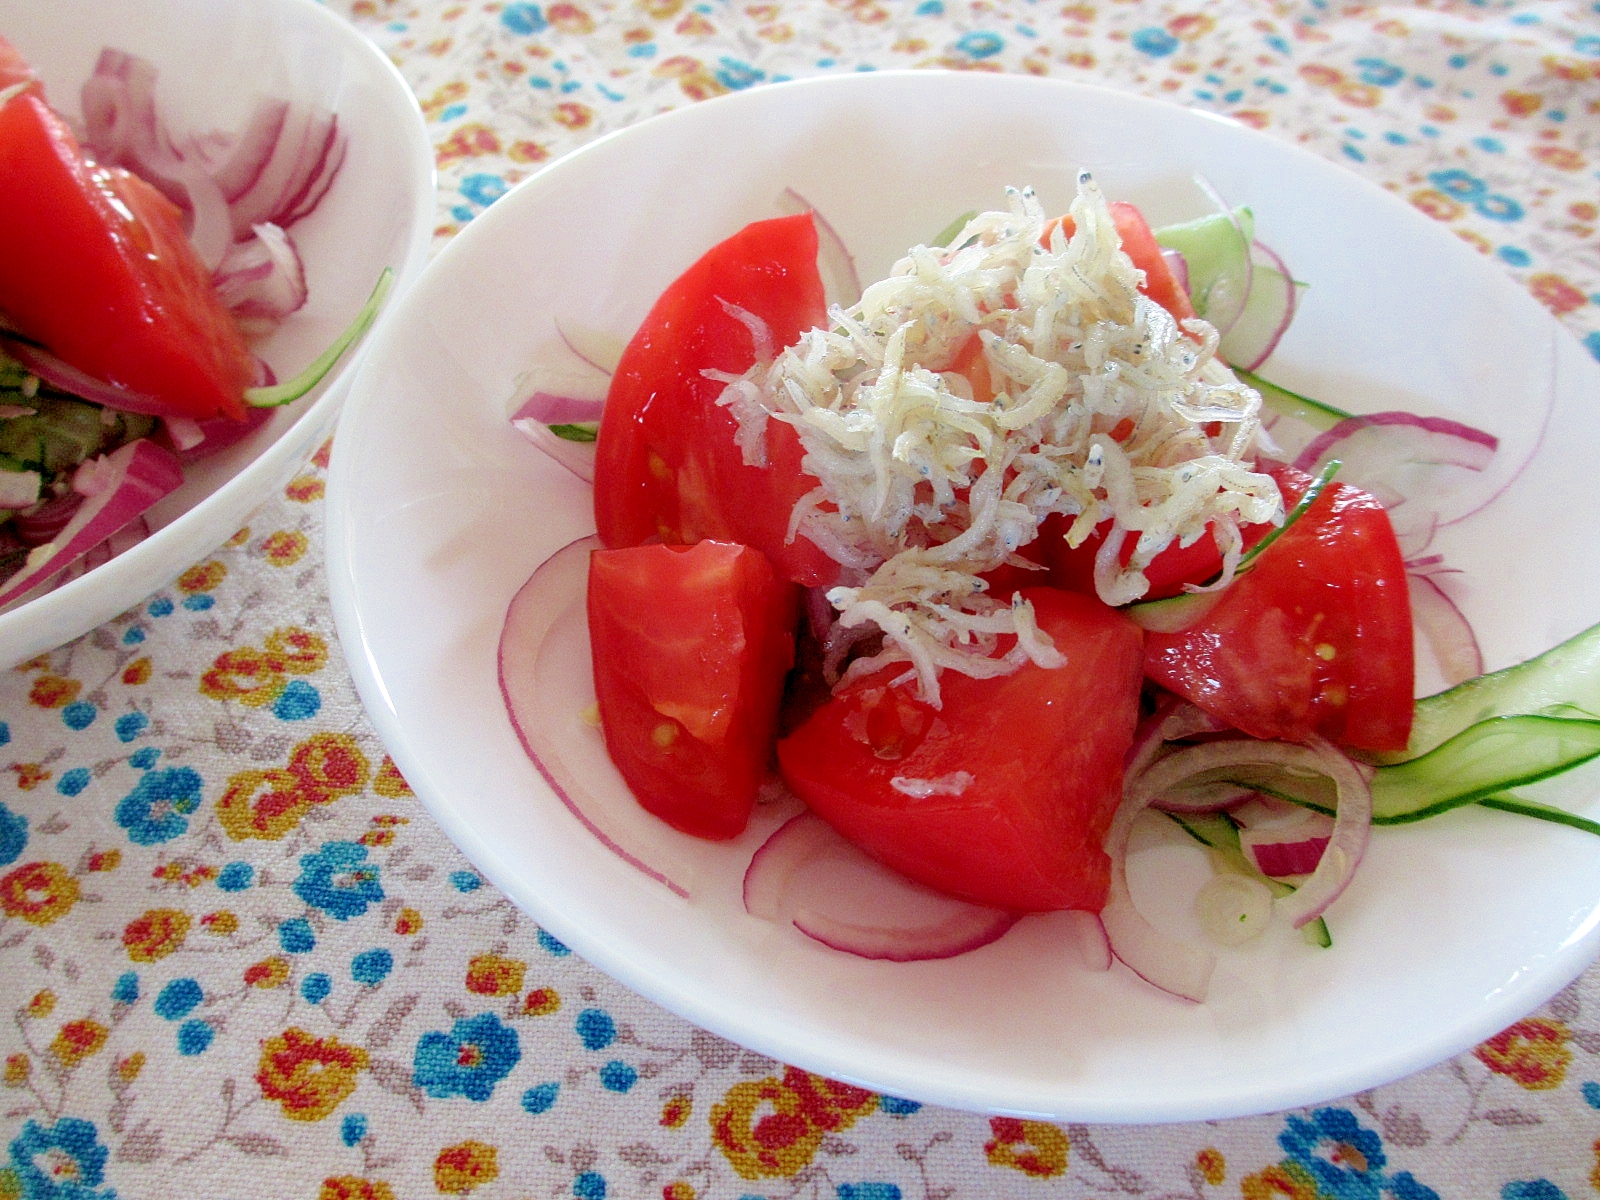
x,y
215,59
438,511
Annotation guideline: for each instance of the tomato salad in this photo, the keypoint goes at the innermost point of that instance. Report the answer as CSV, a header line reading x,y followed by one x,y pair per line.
x,y
984,562
136,268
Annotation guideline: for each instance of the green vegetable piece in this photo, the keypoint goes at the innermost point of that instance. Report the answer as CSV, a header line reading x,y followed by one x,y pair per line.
x,y
577,431
1220,835
1216,250
1282,401
283,393
61,431
1563,681
946,235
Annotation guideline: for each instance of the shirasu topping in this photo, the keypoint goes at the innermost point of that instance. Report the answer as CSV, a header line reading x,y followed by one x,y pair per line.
x,y
1102,408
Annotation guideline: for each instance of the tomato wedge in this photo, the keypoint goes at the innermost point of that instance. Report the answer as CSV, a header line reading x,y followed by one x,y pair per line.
x,y
98,270
1315,638
668,466
1002,796
691,645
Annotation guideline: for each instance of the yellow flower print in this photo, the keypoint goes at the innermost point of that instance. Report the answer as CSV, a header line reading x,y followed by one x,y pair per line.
x,y
303,489
388,782
1533,1052
761,1131
678,1189
467,1165
353,1187
203,578
18,1068
468,141
569,18
77,1040
494,975
246,674
52,691
42,1004
38,892
332,763
1286,1180
308,1076
155,934
268,973
104,860
407,922
541,1002
221,923
298,651
676,1111
1033,1147
1212,1166
284,548
137,672
128,1068
264,804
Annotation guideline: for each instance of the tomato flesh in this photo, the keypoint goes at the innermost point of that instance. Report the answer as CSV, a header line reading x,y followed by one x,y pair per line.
x,y
1315,638
667,464
1002,796
99,270
691,645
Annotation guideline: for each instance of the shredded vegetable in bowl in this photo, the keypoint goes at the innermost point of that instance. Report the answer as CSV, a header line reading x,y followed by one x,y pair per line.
x,y
1102,406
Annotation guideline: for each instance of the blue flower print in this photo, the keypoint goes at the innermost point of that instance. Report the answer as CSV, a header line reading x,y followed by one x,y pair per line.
x,y
1345,1159
339,880
62,1162
13,835
476,1054
158,808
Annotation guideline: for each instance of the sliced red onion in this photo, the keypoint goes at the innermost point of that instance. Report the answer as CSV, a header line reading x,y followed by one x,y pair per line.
x,y
1233,908
262,280
117,490
841,282
1352,825
838,895
191,440
1268,310
1402,458
547,682
1283,840
308,151
1089,939
45,522
64,377
535,416
1179,266
1444,630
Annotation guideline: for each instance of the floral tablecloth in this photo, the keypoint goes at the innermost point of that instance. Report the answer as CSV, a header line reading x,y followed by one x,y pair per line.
x,y
238,960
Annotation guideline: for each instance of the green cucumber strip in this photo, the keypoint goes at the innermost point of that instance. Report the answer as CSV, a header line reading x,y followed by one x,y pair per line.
x,y
1220,835
1216,250
282,393
948,233
1477,765
1563,681
576,431
1282,401
1481,761
1171,614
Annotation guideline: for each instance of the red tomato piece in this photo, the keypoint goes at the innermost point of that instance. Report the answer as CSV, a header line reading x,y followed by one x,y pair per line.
x,y
1002,796
99,271
1073,568
1315,638
691,645
667,466
1140,245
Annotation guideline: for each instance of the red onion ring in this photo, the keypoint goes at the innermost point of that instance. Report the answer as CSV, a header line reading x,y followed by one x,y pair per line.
x,y
838,895
546,681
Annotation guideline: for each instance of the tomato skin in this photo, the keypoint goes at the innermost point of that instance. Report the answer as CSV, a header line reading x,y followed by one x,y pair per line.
x,y
1072,568
99,270
691,645
1315,638
667,465
1043,750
